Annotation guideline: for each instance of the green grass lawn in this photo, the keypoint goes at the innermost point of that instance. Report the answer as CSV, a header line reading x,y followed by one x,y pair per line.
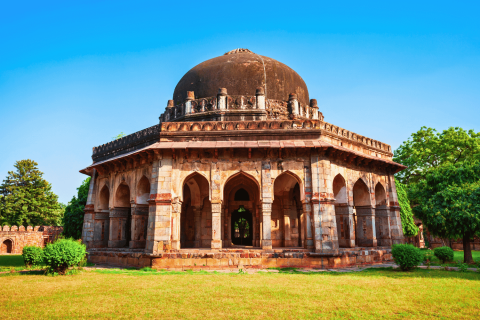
x,y
7,261
457,256
373,294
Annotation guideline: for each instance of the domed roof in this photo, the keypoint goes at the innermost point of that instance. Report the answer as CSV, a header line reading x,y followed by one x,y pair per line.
x,y
241,71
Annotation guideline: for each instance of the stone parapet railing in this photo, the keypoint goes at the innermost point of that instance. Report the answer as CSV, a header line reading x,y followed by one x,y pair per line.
x,y
20,229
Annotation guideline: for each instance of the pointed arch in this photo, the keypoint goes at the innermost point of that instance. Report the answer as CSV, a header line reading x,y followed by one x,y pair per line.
x,y
104,198
361,193
7,246
380,195
241,174
340,189
143,191
198,186
122,196
285,182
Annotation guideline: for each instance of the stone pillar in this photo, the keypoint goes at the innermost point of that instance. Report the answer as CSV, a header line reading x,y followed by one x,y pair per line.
x,y
260,224
260,98
188,102
160,205
197,216
139,226
382,226
216,224
89,216
314,106
396,231
267,225
324,222
176,224
366,231
286,219
308,226
222,99
345,225
292,100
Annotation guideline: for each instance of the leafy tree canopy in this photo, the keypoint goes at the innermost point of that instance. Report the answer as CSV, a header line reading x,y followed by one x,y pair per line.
x,y
27,199
427,149
448,202
73,218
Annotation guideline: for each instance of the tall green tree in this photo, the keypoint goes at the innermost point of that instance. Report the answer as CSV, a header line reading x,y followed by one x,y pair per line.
x,y
448,202
73,217
27,199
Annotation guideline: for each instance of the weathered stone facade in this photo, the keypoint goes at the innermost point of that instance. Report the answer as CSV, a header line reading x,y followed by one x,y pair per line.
x,y
227,181
13,239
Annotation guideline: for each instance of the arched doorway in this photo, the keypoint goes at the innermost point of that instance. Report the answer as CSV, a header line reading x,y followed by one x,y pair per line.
x,y
140,214
241,212
343,214
120,218
382,217
242,227
365,216
196,213
7,246
287,212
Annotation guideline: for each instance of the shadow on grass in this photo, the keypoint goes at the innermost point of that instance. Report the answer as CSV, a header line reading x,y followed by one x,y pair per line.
x,y
11,260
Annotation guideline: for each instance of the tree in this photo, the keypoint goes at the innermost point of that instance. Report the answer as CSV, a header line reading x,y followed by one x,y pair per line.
x,y
448,202
427,149
409,227
73,217
27,199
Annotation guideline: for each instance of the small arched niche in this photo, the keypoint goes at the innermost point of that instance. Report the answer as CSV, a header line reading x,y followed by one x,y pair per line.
x,y
122,196
104,198
143,191
380,195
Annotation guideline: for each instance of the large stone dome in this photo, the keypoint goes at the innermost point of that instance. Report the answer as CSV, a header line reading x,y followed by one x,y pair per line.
x,y
241,71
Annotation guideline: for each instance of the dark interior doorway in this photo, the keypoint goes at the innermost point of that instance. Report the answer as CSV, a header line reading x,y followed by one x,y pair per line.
x,y
6,246
242,227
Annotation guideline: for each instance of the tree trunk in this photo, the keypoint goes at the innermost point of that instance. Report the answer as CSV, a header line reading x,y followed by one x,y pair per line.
x,y
467,251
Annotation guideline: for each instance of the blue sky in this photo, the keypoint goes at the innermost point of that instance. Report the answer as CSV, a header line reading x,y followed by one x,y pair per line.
x,y
75,74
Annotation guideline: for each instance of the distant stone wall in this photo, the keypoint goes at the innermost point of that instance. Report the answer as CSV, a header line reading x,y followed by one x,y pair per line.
x,y
13,239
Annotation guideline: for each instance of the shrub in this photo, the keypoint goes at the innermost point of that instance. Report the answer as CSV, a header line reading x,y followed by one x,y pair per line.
x,y
33,256
406,256
427,255
443,253
63,254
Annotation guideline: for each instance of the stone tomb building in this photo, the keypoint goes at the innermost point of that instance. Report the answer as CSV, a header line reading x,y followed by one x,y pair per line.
x,y
242,171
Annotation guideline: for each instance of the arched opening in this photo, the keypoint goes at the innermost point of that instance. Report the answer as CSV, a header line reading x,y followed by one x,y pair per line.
x,y
7,246
196,214
241,228
343,214
365,232
382,217
104,199
286,212
140,214
120,219
102,222
241,199
242,195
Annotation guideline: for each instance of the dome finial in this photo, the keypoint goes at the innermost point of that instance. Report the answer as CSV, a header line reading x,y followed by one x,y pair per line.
x,y
239,50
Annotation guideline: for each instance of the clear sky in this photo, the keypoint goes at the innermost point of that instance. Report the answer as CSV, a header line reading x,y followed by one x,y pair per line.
x,y
73,74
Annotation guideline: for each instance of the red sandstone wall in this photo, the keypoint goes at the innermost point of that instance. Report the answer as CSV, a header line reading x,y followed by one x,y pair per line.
x,y
15,238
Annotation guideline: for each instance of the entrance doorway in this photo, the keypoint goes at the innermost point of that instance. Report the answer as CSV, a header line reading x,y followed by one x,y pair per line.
x,y
6,246
242,227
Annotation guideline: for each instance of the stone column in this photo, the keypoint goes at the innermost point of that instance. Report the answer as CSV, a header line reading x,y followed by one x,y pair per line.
x,y
260,224
160,205
222,99
176,224
396,231
286,220
267,225
325,225
197,216
216,224
89,216
260,98
382,226
314,106
292,100
366,231
188,102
